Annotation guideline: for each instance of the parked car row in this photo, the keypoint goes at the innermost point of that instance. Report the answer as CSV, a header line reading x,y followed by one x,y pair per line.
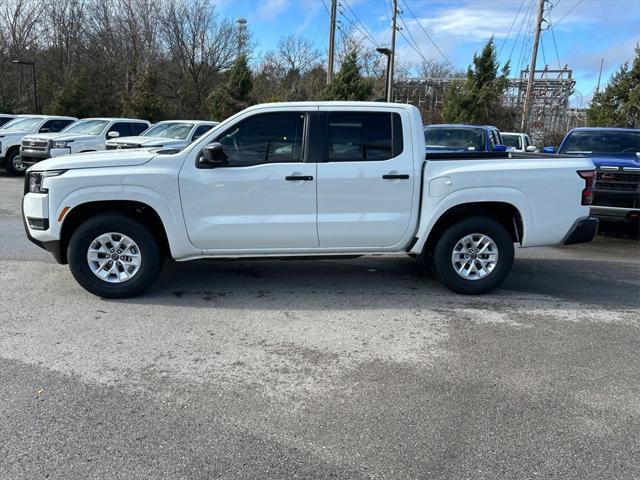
x,y
474,138
615,152
28,139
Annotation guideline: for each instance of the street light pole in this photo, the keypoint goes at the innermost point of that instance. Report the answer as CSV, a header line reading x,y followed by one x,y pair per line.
x,y
33,76
387,52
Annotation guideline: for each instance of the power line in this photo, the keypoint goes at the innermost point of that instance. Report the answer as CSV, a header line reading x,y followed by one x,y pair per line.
x,y
524,21
555,45
427,34
371,37
570,10
510,28
413,45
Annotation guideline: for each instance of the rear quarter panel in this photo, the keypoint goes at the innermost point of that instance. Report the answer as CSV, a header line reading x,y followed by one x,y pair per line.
x,y
545,191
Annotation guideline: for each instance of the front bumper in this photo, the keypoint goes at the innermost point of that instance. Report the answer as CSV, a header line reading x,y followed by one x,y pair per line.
x,y
30,156
35,212
583,231
615,214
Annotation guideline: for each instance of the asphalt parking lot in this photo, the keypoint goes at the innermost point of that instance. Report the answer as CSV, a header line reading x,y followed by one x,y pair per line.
x,y
352,369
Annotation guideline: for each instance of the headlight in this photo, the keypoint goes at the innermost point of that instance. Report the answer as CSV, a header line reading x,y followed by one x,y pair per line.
x,y
34,180
61,143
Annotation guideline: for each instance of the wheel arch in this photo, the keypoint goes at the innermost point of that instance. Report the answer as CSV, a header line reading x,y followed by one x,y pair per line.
x,y
137,210
507,214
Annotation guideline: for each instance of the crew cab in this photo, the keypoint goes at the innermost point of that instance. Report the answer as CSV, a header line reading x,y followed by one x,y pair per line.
x,y
12,133
304,179
175,134
615,153
518,142
86,135
462,138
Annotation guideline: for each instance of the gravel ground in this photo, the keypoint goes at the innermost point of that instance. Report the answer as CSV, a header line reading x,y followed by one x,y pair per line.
x,y
359,368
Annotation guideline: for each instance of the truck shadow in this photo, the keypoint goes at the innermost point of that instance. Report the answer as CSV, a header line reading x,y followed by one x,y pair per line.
x,y
384,283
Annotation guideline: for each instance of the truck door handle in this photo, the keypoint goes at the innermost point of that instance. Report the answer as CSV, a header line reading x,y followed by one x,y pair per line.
x,y
399,176
293,178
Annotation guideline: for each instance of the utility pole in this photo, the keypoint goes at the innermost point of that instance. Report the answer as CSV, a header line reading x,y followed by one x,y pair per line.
x,y
392,57
532,67
599,76
332,40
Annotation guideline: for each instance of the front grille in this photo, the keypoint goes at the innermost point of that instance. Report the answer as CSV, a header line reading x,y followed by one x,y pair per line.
x,y
40,146
122,146
617,181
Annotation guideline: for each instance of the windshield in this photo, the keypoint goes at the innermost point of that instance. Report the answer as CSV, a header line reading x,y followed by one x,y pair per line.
x,y
87,127
179,131
511,140
458,138
22,124
602,142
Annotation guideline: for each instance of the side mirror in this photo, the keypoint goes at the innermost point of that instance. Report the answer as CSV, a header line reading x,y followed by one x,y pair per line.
x,y
45,130
499,148
549,150
532,148
113,134
213,156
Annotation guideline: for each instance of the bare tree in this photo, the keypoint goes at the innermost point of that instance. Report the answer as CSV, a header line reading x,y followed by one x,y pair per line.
x,y
197,44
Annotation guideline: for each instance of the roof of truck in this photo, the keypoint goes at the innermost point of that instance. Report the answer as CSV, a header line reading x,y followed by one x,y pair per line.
x,y
31,115
111,119
207,122
458,125
334,104
599,129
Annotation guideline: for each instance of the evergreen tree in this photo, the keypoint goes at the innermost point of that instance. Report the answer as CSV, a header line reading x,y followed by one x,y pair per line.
x,y
479,98
145,102
234,94
348,84
618,105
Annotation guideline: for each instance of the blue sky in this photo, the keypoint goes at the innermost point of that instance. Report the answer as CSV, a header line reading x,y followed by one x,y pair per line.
x,y
585,30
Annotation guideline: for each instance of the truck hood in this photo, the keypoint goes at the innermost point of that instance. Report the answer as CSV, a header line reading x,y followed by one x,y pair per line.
x,y
60,136
110,158
622,160
147,141
12,134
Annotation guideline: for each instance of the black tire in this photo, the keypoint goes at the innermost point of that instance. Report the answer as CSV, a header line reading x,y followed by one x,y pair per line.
x,y
450,238
87,232
9,165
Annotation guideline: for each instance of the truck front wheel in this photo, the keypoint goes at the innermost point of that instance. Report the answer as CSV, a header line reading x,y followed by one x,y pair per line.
x,y
13,164
114,256
474,255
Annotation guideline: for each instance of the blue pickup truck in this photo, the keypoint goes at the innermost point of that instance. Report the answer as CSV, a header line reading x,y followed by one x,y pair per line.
x,y
462,138
615,152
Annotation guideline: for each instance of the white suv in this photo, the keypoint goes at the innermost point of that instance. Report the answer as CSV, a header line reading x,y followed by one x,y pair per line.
x,y
173,134
12,133
86,135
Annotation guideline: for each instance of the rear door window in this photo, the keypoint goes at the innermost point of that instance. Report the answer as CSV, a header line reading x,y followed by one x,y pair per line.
x,y
363,136
123,128
137,128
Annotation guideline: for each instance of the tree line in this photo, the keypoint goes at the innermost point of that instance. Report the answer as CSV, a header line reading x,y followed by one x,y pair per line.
x,y
161,59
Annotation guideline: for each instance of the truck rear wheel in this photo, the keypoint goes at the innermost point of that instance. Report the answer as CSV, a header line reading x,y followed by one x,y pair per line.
x,y
474,256
113,256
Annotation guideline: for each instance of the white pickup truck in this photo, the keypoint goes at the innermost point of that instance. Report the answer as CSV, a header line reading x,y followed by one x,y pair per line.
x,y
304,179
86,135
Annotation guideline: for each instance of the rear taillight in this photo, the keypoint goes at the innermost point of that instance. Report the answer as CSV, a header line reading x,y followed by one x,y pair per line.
x,y
589,180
